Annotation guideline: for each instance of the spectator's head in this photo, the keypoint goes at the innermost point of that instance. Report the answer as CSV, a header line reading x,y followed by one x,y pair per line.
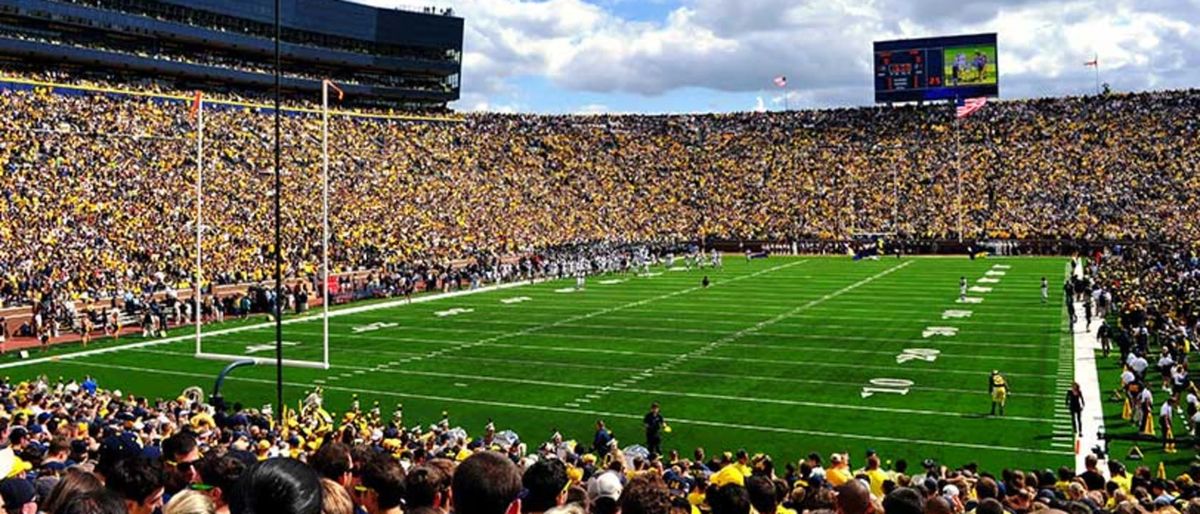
x,y
545,484
181,455
218,474
333,460
762,494
990,506
190,502
605,485
487,483
335,499
729,499
139,483
936,505
645,494
604,505
19,496
382,487
114,449
100,501
986,488
427,486
903,501
74,483
853,497
276,486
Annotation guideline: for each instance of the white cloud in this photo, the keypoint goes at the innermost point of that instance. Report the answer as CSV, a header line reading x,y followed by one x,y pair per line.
x,y
823,47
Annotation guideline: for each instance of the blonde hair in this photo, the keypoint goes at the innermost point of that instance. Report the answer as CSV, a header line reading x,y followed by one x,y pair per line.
x,y
190,502
334,498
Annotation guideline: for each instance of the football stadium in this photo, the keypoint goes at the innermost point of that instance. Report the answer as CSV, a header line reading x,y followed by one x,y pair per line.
x,y
260,256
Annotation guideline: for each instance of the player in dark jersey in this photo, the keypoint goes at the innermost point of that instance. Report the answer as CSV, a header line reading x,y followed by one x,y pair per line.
x,y
655,424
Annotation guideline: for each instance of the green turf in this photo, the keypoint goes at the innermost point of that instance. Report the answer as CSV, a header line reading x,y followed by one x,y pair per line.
x,y
1125,434
773,357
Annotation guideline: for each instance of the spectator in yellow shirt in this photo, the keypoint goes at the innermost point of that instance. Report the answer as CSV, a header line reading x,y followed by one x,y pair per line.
x,y
743,463
839,470
875,475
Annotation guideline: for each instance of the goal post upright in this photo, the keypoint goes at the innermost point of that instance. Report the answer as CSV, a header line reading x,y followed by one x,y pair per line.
x,y
197,115
325,85
198,279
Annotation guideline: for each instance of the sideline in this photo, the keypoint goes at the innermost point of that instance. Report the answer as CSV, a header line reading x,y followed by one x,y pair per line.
x,y
259,326
1086,345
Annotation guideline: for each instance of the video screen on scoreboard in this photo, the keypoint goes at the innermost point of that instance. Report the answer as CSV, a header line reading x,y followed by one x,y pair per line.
x,y
932,69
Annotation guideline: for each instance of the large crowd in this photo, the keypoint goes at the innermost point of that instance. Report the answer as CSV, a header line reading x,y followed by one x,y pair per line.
x,y
1153,296
76,447
98,192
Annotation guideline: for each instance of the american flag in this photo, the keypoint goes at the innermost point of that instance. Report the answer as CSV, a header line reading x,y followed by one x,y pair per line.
x,y
968,106
781,81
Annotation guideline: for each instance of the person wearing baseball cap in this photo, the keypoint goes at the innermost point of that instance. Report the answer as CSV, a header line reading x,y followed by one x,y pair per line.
x,y
19,496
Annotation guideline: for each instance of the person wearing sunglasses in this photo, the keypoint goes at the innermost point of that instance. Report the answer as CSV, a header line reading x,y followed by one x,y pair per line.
x,y
180,455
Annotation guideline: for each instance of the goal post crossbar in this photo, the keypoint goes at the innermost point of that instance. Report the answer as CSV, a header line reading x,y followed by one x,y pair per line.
x,y
262,361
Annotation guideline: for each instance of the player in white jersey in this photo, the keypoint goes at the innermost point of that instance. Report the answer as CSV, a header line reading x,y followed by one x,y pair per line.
x,y
1045,291
580,280
962,289
715,259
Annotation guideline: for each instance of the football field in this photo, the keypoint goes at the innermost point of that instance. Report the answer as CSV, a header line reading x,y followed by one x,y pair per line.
x,y
784,356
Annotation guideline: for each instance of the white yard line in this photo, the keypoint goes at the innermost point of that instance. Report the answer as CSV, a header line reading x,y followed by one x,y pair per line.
x,y
676,342
258,326
968,343
600,312
594,395
493,342
398,356
591,413
368,308
694,321
700,352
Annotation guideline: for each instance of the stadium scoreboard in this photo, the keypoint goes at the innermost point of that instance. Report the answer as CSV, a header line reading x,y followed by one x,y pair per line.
x,y
911,70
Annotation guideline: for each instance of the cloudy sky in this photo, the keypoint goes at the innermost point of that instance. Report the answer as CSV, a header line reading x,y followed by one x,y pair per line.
x,y
569,56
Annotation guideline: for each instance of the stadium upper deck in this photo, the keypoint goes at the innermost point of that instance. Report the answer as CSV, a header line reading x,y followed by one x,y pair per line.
x,y
381,56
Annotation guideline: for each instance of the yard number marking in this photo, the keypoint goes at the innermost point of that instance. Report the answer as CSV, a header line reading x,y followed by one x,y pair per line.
x,y
373,327
887,385
922,354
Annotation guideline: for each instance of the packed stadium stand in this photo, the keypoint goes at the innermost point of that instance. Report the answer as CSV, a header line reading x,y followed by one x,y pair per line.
x,y
110,178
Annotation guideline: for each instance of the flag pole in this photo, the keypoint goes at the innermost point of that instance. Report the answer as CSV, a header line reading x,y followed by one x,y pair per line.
x,y
1096,59
958,166
325,217
199,210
